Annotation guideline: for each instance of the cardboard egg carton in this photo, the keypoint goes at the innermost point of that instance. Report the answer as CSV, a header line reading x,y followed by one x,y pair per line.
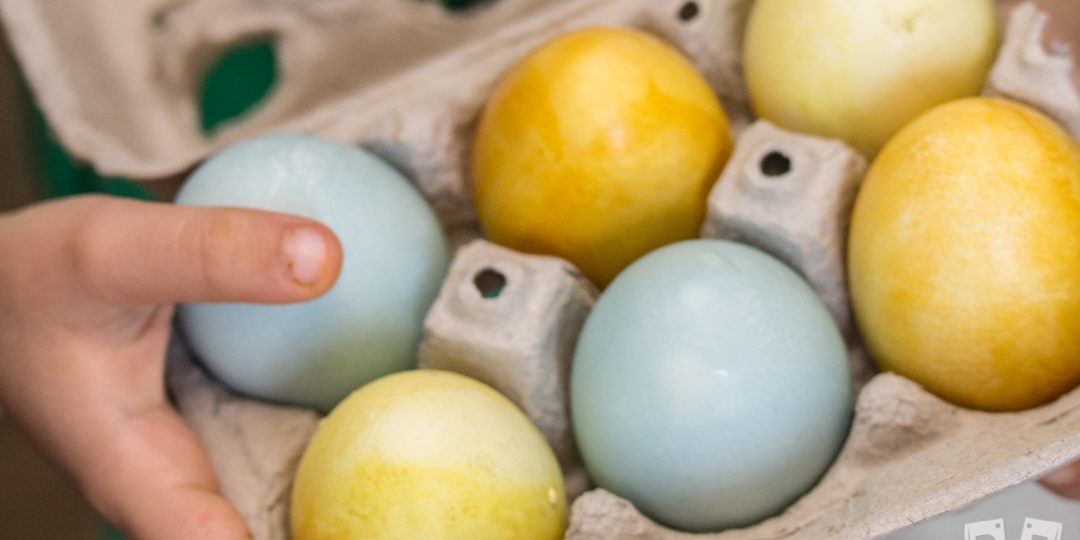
x,y
404,78
407,80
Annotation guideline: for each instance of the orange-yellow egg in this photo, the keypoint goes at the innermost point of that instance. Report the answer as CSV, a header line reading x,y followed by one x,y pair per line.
x,y
964,255
598,147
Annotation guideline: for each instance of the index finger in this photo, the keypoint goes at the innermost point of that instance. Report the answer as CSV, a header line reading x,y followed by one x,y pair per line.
x,y
139,252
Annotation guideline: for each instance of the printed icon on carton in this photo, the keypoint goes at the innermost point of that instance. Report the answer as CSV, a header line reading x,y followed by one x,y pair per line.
x,y
1037,529
994,529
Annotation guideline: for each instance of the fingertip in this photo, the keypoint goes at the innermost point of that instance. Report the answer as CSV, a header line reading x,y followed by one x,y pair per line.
x,y
1064,481
212,517
187,514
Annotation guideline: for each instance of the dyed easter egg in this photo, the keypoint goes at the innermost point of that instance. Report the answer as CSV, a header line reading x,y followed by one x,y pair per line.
x,y
432,455
598,147
710,386
369,324
964,255
858,70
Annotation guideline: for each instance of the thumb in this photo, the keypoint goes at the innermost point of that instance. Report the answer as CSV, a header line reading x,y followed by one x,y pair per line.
x,y
157,483
103,416
149,253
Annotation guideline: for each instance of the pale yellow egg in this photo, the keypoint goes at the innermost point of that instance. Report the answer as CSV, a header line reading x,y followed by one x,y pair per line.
x,y
858,70
428,455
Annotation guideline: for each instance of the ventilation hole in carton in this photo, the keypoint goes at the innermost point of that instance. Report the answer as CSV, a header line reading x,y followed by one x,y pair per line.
x,y
775,164
689,11
490,283
237,83
160,20
465,5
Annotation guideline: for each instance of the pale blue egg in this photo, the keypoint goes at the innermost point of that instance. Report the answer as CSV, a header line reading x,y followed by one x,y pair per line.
x,y
710,386
369,324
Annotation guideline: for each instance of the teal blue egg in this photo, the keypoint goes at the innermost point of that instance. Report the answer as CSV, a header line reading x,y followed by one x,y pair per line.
x,y
369,324
710,386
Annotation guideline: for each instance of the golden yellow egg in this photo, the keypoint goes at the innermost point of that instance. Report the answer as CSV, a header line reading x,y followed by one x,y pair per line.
x,y
428,455
598,147
964,255
858,70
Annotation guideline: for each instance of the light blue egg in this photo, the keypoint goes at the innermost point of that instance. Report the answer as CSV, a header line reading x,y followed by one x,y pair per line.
x,y
710,386
369,324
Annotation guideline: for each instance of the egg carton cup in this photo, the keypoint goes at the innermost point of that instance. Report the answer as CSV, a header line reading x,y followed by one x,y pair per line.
x,y
254,447
406,80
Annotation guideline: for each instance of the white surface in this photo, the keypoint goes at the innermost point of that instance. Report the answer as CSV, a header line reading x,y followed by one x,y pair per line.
x,y
1014,505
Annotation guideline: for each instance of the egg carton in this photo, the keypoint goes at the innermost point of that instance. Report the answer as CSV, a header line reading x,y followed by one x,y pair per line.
x,y
407,80
404,78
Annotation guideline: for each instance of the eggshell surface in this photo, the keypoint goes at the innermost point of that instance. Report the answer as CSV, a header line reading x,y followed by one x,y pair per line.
x,y
710,386
432,455
598,147
858,70
964,255
369,324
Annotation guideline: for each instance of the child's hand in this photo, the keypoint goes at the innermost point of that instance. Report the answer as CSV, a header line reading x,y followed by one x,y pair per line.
x,y
1060,28
87,287
1065,481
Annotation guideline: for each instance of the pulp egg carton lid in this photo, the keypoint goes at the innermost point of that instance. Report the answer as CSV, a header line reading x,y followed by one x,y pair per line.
x,y
405,79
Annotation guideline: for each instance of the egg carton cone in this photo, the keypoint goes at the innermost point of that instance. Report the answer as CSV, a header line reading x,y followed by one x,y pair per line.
x,y
791,195
117,80
512,320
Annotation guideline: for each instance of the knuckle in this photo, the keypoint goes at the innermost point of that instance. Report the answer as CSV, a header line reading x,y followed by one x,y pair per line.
x,y
213,246
91,254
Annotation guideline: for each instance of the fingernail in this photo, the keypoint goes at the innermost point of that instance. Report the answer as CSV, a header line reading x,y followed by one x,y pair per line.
x,y
305,254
